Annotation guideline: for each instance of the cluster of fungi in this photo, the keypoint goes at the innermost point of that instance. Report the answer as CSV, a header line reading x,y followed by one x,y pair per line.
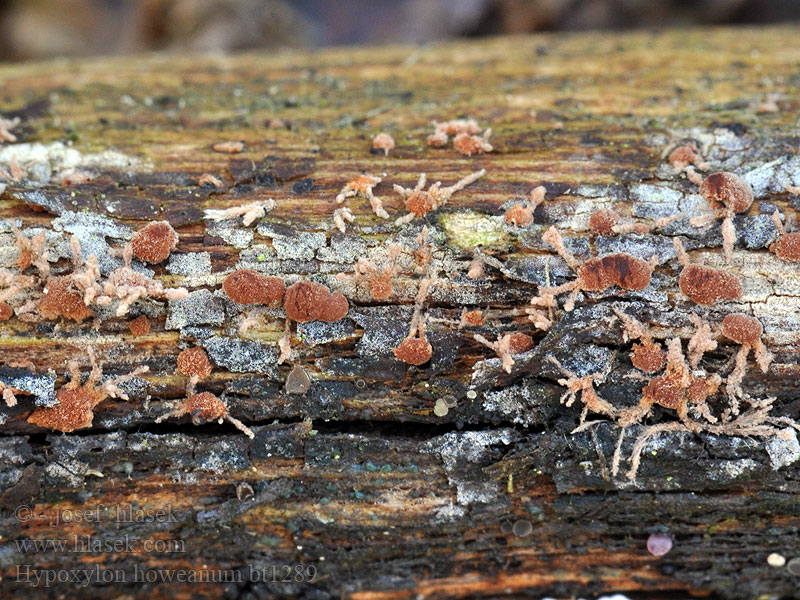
x,y
672,374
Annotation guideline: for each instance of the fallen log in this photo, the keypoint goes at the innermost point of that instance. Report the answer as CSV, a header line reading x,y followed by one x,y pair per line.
x,y
368,476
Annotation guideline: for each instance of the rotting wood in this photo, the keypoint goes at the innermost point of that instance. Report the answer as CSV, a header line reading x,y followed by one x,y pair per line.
x,y
358,478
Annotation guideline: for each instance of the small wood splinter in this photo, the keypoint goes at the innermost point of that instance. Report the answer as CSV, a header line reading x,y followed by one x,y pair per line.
x,y
249,212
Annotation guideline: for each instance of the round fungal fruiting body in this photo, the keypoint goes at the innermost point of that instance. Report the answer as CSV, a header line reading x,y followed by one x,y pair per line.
x,y
648,357
73,411
414,351
153,243
665,391
420,203
623,270
519,343
727,189
193,362
742,329
787,247
601,222
383,141
139,326
307,301
519,215
62,300
246,286
204,408
6,312
704,285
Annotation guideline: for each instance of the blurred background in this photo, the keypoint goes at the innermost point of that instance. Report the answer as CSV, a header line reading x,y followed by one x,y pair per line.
x,y
44,28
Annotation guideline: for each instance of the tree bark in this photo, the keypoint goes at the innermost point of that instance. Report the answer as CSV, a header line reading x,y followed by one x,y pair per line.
x,y
357,488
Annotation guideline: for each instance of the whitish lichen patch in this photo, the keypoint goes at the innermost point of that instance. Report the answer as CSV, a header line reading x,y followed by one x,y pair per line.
x,y
191,263
57,158
199,308
240,356
468,230
783,452
462,454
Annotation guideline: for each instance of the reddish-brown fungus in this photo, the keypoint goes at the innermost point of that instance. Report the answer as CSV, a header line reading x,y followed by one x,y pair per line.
x,y
247,286
728,190
648,357
139,326
414,351
6,312
193,362
383,141
474,318
622,270
73,411
519,215
787,247
153,243
742,329
62,299
704,285
468,145
306,301
601,222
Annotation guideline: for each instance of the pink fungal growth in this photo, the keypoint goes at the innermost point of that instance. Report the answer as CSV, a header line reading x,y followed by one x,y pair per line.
x,y
507,346
420,201
205,407
383,141
521,215
648,356
472,144
687,154
76,401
